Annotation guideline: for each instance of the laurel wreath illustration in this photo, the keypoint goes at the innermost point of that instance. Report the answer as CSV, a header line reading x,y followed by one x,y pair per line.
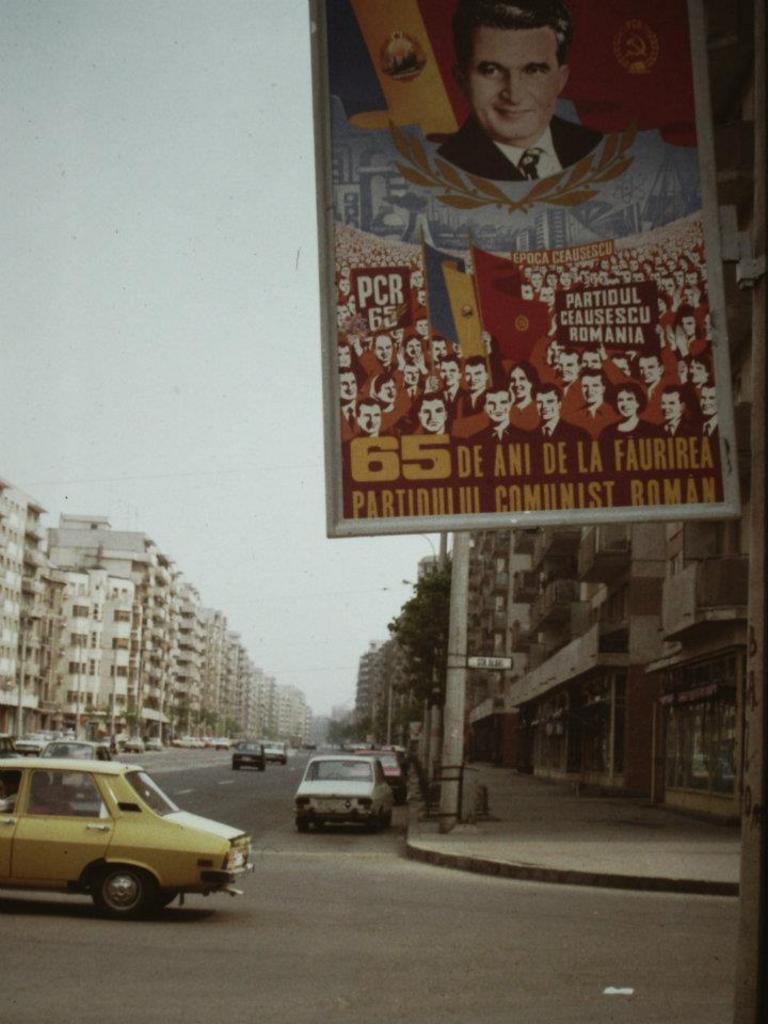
x,y
466,191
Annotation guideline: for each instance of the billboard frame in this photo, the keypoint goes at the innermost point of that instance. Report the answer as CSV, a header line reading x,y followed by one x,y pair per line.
x,y
339,526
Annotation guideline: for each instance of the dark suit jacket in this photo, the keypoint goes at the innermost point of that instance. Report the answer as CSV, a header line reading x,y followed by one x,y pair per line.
x,y
471,150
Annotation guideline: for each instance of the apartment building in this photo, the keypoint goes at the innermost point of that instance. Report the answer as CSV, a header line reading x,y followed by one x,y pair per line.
x,y
87,542
30,602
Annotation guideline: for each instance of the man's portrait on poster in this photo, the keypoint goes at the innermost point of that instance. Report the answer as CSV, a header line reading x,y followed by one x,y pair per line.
x,y
511,65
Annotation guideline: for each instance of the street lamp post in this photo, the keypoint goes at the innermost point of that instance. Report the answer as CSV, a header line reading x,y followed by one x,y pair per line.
x,y
455,686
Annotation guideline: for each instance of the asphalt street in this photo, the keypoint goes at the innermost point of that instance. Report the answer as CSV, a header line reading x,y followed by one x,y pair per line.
x,y
339,926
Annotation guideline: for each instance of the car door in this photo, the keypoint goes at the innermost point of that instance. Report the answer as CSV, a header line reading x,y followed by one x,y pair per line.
x,y
10,782
64,824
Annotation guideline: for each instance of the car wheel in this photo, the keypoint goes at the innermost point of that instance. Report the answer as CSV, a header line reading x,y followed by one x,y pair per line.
x,y
386,820
125,891
302,825
262,767
235,767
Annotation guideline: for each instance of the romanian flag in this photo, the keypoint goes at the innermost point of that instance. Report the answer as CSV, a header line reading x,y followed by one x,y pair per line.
x,y
464,307
440,311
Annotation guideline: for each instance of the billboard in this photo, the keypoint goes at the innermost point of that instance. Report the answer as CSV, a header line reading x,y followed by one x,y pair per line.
x,y
522,305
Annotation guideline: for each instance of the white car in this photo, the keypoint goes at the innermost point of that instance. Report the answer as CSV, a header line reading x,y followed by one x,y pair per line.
x,y
134,745
343,788
222,743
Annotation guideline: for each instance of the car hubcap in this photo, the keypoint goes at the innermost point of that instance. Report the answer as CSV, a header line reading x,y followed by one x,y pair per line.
x,y
122,891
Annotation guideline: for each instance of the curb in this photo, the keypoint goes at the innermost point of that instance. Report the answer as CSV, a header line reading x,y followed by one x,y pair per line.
x,y
567,876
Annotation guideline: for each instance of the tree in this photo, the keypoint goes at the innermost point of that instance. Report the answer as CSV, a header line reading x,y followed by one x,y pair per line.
x,y
421,629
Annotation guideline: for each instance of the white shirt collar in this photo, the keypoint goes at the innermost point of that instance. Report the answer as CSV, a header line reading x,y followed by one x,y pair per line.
x,y
548,162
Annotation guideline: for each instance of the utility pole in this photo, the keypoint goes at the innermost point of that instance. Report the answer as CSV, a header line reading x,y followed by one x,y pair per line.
x,y
455,686
751,989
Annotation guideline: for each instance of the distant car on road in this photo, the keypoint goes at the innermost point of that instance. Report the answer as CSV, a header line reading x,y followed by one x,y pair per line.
x,y
248,754
275,751
80,749
154,743
134,745
108,830
222,743
343,789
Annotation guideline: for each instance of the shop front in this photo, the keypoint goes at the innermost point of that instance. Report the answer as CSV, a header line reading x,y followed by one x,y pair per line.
x,y
698,715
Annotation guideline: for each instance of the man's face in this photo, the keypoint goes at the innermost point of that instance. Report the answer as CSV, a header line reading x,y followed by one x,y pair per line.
x,y
388,393
432,415
627,404
369,419
699,372
411,375
526,291
422,327
413,349
594,389
548,405
650,369
347,387
382,348
708,399
512,82
476,376
497,406
345,356
569,366
450,373
591,359
537,279
671,407
439,349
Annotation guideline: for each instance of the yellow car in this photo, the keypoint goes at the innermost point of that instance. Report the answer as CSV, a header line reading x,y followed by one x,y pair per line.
x,y
108,830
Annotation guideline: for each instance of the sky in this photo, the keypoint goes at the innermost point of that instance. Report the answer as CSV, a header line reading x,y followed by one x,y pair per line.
x,y
160,317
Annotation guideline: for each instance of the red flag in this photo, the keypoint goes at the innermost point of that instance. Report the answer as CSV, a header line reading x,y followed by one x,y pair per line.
x,y
515,324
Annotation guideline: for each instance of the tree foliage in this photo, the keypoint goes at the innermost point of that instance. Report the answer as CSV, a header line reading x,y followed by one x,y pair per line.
x,y
421,629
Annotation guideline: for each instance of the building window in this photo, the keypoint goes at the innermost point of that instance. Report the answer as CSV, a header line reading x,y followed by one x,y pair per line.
x,y
701,746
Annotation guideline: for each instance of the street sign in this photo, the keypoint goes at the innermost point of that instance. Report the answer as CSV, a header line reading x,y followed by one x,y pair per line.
x,y
492,663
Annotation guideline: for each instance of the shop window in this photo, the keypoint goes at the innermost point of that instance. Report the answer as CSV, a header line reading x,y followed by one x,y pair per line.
x,y
701,746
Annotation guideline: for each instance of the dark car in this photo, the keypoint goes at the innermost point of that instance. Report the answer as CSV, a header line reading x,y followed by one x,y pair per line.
x,y
248,754
80,749
394,772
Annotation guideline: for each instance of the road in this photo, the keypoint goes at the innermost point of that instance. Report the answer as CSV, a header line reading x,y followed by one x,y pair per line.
x,y
339,926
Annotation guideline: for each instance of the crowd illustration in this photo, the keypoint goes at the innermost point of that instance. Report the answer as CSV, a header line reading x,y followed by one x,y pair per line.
x,y
410,379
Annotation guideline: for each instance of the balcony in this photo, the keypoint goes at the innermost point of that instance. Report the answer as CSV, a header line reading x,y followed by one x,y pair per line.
x,y
555,544
519,637
525,587
604,552
501,582
523,541
553,606
705,593
612,636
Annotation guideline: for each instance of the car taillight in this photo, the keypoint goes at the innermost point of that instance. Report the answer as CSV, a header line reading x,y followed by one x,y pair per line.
x,y
365,801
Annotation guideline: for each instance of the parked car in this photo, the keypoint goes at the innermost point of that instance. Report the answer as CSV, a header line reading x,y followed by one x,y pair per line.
x,y
154,743
7,747
108,830
34,742
248,754
342,788
222,743
134,745
80,749
393,772
275,751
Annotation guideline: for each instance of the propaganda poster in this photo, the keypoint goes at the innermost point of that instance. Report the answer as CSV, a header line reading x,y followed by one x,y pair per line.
x,y
519,284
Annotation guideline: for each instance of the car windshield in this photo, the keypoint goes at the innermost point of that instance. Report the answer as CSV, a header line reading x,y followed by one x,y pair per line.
x,y
150,793
254,747
353,771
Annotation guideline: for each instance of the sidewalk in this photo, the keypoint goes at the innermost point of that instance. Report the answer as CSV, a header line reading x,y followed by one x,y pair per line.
x,y
546,832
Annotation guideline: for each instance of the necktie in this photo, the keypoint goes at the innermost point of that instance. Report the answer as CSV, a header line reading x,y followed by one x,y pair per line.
x,y
529,163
